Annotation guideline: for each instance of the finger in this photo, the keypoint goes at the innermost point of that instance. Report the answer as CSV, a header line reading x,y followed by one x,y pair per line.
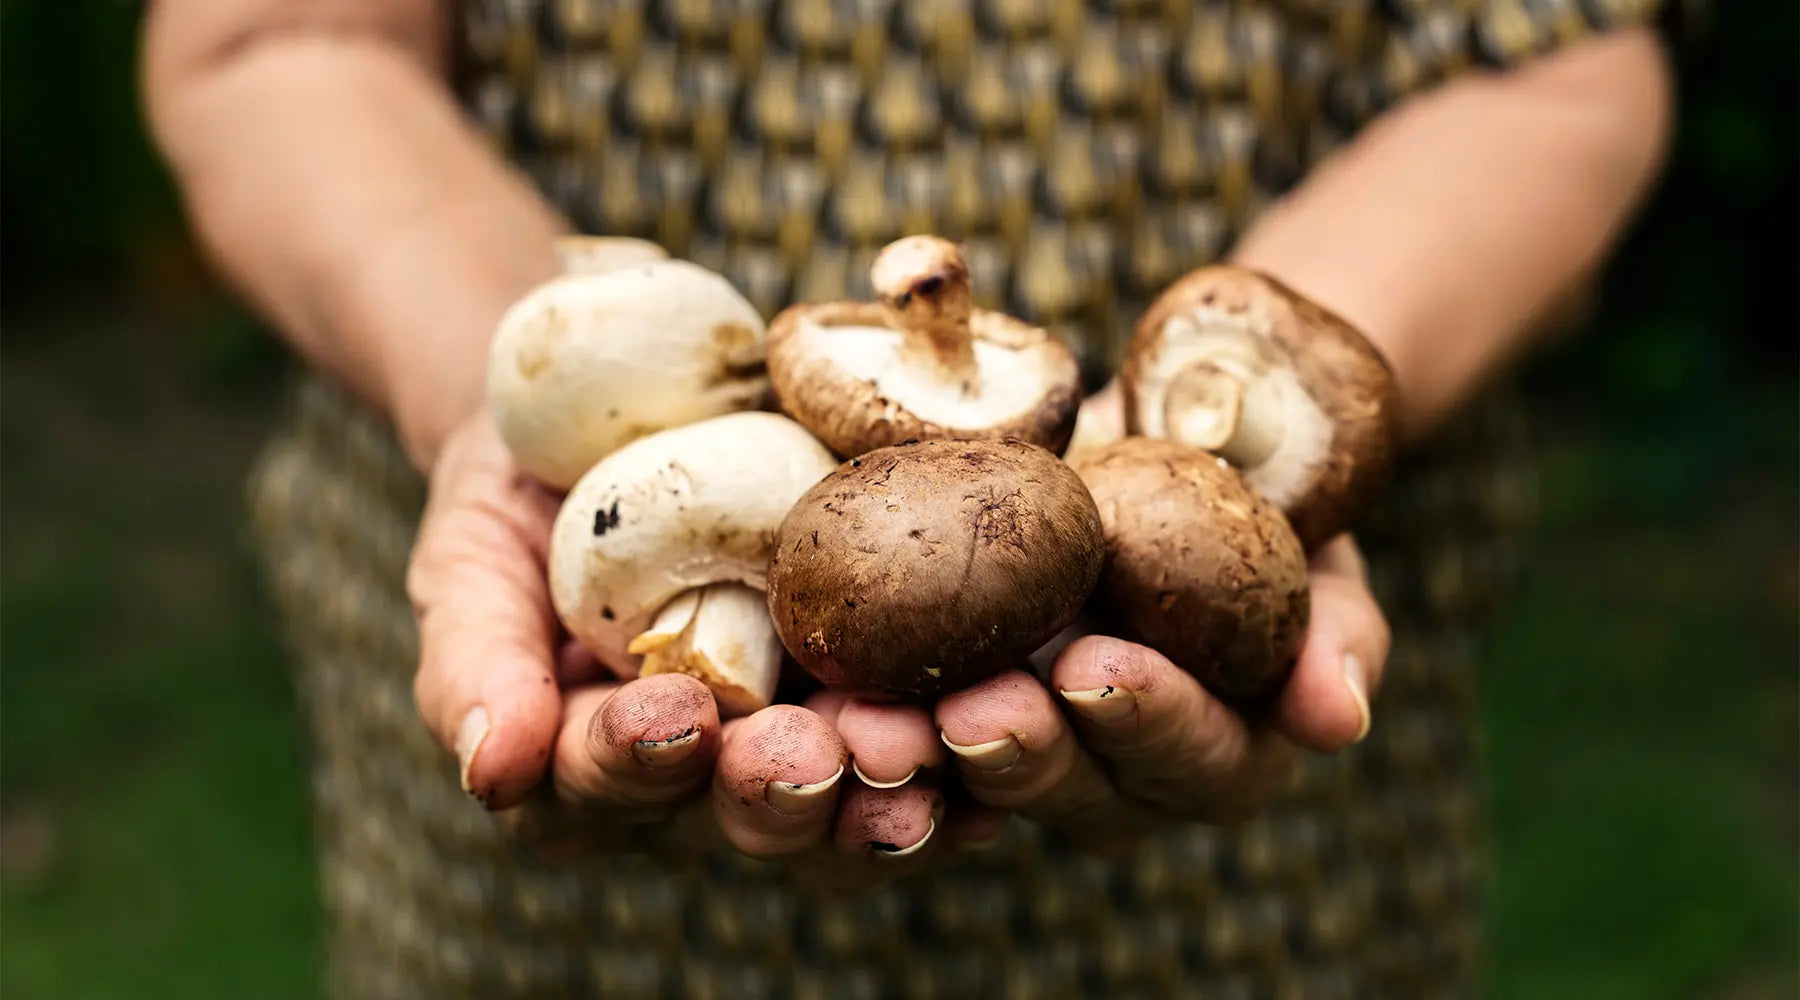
x,y
689,833
577,666
969,825
486,629
1015,751
542,819
1165,740
646,745
881,834
827,705
775,790
888,744
1325,705
889,825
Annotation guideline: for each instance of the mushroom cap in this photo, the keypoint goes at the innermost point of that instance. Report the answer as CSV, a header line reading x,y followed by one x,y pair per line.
x,y
922,568
1335,391
582,254
1199,566
586,363
836,368
676,510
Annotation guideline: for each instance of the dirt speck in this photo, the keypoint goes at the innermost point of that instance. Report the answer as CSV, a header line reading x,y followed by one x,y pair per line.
x,y
606,519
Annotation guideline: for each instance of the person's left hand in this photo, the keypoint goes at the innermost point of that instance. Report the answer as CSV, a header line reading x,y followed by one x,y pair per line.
x,y
1117,740
1120,740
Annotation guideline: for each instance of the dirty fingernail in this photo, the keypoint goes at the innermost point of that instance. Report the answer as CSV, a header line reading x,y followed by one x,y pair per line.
x,y
882,849
794,799
994,755
1107,704
669,752
872,783
1357,680
469,737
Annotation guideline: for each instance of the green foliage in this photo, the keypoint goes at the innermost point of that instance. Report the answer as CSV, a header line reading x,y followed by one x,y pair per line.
x,y
83,189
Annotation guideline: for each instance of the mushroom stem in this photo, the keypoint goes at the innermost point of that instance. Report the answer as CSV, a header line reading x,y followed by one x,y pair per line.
x,y
938,340
721,634
1228,411
924,283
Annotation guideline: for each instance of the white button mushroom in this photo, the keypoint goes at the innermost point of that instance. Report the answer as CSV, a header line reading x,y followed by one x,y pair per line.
x,y
921,363
588,362
598,254
1233,362
661,551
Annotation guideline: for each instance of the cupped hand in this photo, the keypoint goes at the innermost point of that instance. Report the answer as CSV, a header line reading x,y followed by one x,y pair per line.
x,y
1118,740
573,760
1114,739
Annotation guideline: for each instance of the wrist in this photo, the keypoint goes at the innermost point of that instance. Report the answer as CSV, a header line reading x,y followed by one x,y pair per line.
x,y
1382,308
437,307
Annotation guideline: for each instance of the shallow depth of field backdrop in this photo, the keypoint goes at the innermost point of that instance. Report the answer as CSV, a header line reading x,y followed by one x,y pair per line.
x,y
1639,717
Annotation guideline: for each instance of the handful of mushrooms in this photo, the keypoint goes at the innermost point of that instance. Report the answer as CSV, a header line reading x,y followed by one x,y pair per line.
x,y
631,382
953,542
906,525
1258,427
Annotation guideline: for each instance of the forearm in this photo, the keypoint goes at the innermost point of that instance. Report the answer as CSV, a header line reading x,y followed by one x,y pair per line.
x,y
1451,226
330,176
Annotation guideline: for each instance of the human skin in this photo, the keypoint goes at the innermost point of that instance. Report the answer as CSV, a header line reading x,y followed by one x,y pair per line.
x,y
331,177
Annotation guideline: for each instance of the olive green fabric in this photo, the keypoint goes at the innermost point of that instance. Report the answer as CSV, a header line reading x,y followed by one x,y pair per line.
x,y
1086,154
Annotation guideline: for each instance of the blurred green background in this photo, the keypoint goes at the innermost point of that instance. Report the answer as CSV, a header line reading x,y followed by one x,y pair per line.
x,y
1640,697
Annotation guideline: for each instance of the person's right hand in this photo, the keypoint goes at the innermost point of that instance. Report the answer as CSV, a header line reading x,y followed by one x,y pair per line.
x,y
572,759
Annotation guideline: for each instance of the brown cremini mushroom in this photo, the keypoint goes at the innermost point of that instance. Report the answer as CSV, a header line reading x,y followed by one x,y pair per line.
x,y
922,568
921,363
1199,566
1236,363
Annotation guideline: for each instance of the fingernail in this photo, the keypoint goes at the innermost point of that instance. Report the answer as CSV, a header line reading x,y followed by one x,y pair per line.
x,y
793,799
469,737
872,783
1107,704
994,755
1357,680
669,752
881,849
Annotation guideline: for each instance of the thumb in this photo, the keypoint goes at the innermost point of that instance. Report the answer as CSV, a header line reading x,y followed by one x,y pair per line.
x,y
1326,704
486,685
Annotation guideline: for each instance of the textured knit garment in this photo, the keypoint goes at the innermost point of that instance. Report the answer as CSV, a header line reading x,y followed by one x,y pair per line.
x,y
1086,154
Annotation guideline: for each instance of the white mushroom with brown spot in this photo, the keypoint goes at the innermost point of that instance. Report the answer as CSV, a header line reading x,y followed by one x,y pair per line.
x,y
588,362
580,254
921,363
659,556
1234,362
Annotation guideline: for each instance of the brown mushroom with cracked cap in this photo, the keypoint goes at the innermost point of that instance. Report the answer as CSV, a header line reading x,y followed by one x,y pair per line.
x,y
918,569
920,363
1199,566
659,555
590,361
1234,362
